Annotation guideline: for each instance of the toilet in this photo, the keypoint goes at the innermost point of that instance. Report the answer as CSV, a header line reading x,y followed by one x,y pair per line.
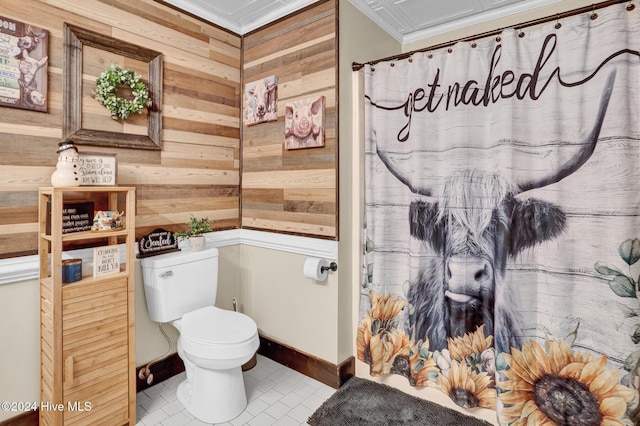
x,y
180,288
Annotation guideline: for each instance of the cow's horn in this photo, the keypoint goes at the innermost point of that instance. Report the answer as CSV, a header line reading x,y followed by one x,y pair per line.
x,y
402,177
581,157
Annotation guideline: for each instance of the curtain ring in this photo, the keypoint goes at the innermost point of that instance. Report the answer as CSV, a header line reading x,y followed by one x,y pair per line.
x,y
410,59
429,55
521,34
392,64
498,39
450,50
474,45
558,24
631,6
594,15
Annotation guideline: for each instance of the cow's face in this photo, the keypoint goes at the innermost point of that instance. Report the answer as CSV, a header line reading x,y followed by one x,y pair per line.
x,y
475,227
261,94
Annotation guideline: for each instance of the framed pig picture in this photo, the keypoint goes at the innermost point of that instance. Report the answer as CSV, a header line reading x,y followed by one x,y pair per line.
x,y
304,123
261,101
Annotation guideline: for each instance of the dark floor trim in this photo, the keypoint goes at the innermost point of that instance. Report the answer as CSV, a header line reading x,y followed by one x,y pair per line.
x,y
330,374
162,370
28,418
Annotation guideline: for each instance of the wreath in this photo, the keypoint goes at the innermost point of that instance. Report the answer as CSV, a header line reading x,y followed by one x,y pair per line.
x,y
105,92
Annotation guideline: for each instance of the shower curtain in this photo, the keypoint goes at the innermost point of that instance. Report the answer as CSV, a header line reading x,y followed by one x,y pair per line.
x,y
502,221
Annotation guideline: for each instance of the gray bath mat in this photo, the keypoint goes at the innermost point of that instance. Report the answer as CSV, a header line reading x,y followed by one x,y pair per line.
x,y
364,402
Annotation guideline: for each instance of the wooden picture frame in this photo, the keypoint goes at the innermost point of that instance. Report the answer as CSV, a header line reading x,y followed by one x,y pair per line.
x,y
74,40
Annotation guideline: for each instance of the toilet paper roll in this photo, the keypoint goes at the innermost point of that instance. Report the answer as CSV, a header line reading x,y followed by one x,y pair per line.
x,y
313,268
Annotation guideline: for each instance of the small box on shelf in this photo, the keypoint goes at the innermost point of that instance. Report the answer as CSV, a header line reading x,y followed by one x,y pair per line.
x,y
108,221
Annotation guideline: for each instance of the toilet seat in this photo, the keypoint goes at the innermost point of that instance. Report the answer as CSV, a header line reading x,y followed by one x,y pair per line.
x,y
216,333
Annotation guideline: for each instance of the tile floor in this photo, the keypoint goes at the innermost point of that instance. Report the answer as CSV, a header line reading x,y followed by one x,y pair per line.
x,y
276,395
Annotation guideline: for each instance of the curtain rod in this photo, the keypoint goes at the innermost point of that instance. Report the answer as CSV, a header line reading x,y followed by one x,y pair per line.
x,y
355,66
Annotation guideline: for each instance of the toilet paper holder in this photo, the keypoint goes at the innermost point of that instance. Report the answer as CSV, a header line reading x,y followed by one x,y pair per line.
x,y
333,266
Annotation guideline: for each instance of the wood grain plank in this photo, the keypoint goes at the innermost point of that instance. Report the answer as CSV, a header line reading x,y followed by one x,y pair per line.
x,y
261,151
323,178
316,219
170,191
180,218
201,127
160,206
291,227
143,174
264,164
313,207
262,206
307,194
13,199
172,135
274,196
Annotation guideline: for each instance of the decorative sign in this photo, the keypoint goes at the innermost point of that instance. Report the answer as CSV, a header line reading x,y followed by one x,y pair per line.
x,y
98,169
261,101
23,65
76,217
106,260
156,242
304,123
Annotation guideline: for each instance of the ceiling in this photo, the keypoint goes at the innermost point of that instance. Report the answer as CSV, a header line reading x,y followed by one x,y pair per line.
x,y
404,20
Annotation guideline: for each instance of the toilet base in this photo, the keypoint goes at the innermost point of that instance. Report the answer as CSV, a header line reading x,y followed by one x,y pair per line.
x,y
213,396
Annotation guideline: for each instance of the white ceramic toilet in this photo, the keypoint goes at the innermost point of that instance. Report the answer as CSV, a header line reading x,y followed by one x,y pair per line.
x,y
180,288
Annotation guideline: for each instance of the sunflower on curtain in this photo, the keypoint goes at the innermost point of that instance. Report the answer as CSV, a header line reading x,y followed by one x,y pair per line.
x,y
501,197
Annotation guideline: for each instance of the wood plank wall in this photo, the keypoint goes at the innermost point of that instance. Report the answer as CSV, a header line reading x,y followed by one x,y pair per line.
x,y
198,169
293,191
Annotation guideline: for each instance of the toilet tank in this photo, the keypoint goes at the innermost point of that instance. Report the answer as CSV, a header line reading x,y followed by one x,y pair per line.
x,y
179,282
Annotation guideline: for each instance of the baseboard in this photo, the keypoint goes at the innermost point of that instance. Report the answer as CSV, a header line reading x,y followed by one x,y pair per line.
x,y
28,418
330,374
325,372
162,370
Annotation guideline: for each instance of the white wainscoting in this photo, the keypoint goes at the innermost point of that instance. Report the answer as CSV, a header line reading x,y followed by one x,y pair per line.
x,y
27,267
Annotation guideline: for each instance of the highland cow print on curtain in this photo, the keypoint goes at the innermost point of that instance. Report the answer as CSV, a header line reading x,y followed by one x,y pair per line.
x,y
502,225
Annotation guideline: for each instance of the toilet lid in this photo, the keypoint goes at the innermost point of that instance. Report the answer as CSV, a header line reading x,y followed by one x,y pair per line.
x,y
211,325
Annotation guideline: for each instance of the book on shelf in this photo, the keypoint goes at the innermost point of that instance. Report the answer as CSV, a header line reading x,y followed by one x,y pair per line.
x,y
106,260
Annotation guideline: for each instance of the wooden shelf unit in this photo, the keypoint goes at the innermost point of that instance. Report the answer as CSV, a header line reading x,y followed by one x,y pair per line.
x,y
87,328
